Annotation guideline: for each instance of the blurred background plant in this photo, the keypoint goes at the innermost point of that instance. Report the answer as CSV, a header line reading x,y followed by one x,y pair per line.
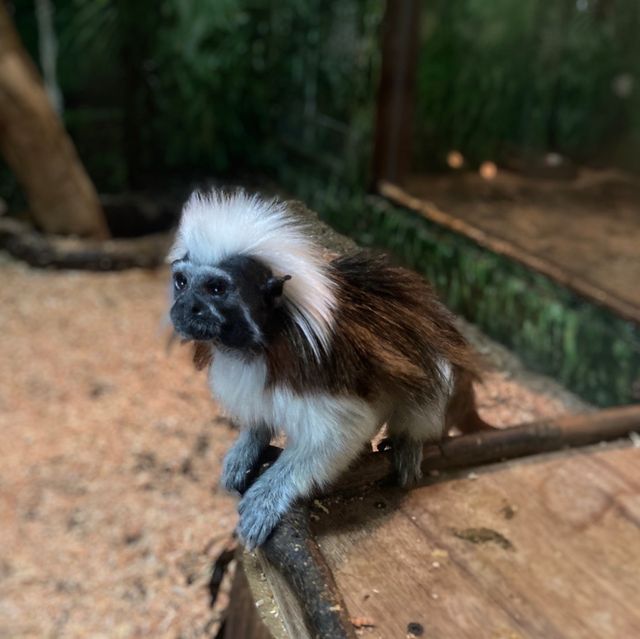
x,y
177,87
500,77
209,87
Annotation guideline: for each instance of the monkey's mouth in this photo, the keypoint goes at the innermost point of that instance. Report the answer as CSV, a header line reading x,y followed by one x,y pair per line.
x,y
202,333
191,328
197,330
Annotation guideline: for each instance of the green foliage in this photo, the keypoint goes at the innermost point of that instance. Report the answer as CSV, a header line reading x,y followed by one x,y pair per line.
x,y
246,80
224,85
215,86
209,91
90,41
503,76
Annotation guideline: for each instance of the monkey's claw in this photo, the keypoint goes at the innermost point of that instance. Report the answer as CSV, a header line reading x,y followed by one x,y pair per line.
x,y
259,515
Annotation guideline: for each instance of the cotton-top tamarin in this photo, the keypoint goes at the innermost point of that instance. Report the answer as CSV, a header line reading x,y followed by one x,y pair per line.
x,y
326,351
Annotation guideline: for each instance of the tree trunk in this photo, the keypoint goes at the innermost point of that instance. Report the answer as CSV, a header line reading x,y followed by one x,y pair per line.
x,y
36,147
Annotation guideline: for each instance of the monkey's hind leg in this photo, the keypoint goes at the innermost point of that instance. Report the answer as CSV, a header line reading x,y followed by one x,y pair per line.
x,y
410,427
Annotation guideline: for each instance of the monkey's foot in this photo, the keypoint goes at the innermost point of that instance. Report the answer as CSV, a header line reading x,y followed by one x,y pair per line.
x,y
260,511
407,459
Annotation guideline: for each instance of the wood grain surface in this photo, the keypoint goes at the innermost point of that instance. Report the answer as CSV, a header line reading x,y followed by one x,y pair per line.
x,y
544,547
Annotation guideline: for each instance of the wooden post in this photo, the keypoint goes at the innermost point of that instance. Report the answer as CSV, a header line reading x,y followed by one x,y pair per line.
x,y
396,93
38,150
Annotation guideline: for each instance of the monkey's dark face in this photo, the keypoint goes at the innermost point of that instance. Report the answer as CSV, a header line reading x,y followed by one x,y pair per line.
x,y
231,303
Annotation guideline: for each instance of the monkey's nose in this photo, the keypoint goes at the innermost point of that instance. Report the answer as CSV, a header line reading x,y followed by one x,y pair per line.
x,y
197,309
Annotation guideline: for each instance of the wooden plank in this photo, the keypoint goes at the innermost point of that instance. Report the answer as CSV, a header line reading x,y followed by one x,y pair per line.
x,y
490,240
287,607
304,589
547,547
242,619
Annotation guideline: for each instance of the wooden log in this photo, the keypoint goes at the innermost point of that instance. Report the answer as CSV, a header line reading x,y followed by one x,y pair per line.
x,y
490,446
293,551
396,92
38,150
50,251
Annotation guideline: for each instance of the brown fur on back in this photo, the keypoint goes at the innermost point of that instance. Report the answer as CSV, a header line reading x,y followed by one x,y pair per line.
x,y
391,333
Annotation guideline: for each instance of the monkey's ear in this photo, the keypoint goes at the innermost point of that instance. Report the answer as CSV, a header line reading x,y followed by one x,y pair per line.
x,y
274,285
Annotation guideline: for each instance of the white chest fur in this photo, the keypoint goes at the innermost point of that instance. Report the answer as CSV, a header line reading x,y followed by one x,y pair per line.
x,y
239,387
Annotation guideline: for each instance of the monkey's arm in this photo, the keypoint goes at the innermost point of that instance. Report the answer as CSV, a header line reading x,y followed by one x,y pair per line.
x,y
308,462
242,457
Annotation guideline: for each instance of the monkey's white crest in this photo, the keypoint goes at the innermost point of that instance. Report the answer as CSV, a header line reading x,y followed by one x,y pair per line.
x,y
217,225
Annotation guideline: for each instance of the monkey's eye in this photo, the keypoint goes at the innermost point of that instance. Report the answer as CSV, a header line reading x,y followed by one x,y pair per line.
x,y
216,287
179,281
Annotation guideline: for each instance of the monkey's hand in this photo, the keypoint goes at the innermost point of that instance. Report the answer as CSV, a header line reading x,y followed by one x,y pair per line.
x,y
303,466
242,458
262,507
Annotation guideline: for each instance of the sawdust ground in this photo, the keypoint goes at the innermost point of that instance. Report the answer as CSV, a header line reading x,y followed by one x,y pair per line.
x,y
111,449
